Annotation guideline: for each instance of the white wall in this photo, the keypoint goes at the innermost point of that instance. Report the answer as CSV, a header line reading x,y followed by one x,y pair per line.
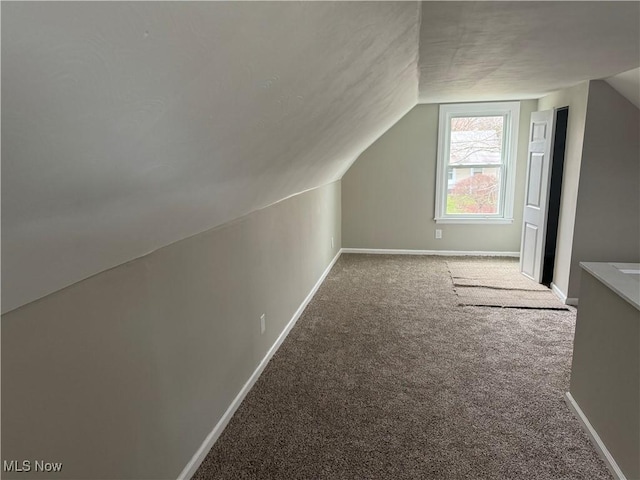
x,y
388,194
600,207
605,371
607,219
124,374
576,99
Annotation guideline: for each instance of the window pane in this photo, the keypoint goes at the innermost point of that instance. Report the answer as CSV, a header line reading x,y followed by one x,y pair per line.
x,y
476,140
473,190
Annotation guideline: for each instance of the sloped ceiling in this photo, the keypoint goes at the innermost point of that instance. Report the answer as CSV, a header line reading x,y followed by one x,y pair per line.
x,y
628,85
129,126
471,51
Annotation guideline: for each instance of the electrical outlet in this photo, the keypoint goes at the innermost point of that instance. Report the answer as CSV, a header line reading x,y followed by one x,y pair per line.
x,y
438,233
332,242
263,323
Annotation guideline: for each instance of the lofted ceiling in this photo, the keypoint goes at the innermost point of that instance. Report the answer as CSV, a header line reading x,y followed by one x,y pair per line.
x,y
472,51
127,126
628,84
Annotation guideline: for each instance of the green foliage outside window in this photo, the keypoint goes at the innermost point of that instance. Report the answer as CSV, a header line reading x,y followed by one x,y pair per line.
x,y
474,194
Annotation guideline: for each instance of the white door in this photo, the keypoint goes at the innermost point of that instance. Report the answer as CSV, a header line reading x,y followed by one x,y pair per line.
x,y
534,226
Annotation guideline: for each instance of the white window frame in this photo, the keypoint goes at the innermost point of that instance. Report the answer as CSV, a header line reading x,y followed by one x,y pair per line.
x,y
511,113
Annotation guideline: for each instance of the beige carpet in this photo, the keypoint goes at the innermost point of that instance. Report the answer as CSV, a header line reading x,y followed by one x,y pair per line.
x,y
497,282
386,377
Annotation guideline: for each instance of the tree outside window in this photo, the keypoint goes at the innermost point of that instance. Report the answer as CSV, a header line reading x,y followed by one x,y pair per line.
x,y
476,162
474,141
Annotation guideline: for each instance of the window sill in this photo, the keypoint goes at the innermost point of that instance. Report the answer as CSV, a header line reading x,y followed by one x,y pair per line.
x,y
477,221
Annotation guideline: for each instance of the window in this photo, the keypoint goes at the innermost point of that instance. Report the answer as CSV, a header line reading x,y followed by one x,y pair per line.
x,y
477,145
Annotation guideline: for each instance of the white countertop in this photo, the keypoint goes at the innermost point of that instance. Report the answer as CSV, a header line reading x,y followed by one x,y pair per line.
x,y
622,278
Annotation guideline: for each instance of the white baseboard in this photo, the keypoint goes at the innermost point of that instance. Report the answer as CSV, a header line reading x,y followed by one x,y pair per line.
x,y
560,294
202,452
594,437
447,253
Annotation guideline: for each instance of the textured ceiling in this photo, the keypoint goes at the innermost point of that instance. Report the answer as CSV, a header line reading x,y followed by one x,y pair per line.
x,y
472,51
129,126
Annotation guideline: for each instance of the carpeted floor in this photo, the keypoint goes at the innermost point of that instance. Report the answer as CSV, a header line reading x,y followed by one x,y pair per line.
x,y
385,377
